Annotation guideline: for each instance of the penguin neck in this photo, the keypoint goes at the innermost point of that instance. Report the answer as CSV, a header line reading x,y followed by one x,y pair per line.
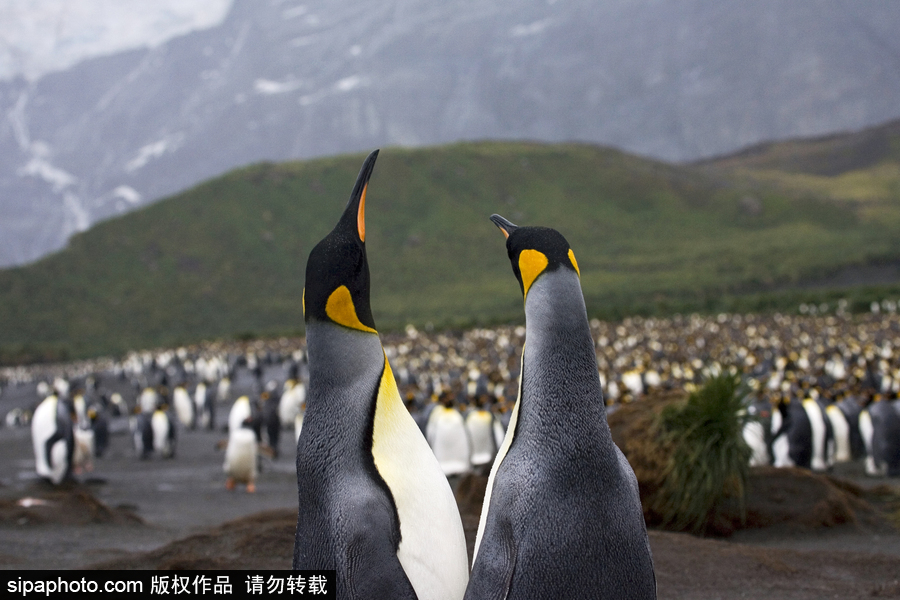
x,y
345,368
560,376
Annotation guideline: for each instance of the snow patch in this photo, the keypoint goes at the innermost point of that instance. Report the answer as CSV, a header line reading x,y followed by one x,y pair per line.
x,y
41,168
127,193
170,143
268,87
42,36
348,83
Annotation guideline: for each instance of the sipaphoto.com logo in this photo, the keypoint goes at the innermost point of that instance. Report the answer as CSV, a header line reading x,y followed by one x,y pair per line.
x,y
60,585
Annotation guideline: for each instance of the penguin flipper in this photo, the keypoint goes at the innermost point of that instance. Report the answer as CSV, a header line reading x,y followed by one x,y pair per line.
x,y
377,579
493,571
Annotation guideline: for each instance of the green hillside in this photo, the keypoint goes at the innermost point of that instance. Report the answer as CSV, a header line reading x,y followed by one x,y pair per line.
x,y
227,258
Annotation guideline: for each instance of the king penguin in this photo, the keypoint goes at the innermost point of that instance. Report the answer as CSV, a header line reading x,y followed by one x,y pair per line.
x,y
53,437
562,517
373,502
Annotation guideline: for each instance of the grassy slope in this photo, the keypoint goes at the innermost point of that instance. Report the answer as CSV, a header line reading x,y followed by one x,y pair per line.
x,y
229,255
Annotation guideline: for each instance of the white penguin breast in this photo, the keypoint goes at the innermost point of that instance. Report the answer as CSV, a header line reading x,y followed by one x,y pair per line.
x,y
480,427
159,423
240,455
183,407
433,547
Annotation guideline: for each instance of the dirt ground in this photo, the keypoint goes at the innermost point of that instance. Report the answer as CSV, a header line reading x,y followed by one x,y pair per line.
x,y
819,538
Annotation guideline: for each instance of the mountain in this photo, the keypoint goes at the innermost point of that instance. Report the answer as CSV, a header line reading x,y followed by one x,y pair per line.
x,y
227,258
674,80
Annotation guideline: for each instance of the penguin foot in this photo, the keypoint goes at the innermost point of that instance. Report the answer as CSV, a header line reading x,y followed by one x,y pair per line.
x,y
229,483
251,488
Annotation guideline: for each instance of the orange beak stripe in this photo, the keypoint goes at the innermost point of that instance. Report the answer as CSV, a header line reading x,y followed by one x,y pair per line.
x,y
361,215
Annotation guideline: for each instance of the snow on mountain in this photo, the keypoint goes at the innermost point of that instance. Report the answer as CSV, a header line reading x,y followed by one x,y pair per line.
x,y
282,79
41,36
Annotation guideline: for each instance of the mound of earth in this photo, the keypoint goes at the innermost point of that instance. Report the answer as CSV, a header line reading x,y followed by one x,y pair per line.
x,y
796,499
263,541
785,497
67,504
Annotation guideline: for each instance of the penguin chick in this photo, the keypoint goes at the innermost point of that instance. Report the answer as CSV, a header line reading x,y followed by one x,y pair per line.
x,y
562,517
373,502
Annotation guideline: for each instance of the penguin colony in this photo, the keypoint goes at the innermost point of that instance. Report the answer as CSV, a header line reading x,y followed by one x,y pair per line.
x,y
850,363
825,386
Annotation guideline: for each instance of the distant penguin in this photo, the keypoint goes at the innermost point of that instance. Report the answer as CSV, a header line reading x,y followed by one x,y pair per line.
x,y
841,428
240,457
245,413
271,420
223,389
142,435
53,438
820,429
851,409
792,435
184,407
446,434
879,425
205,406
163,426
754,432
148,400
480,429
292,396
100,426
562,516
117,405
373,502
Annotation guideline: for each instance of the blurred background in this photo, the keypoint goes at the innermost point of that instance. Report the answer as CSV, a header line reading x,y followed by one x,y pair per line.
x,y
587,116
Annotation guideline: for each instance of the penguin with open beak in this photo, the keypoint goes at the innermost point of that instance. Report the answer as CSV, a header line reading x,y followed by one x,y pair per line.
x,y
562,516
374,504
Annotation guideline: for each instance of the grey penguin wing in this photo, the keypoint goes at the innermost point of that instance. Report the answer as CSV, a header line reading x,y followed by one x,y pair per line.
x,y
373,569
492,573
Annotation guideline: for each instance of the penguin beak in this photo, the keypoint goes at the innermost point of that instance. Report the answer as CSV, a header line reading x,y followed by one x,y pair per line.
x,y
355,213
504,225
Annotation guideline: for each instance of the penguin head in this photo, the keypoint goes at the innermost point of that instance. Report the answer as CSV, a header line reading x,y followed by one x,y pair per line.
x,y
337,271
534,251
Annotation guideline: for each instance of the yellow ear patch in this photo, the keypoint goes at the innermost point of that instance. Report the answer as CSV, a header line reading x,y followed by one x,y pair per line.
x,y
340,309
303,301
531,264
361,215
574,262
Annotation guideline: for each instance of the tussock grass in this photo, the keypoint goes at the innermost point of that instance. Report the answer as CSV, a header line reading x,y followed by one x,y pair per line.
x,y
708,459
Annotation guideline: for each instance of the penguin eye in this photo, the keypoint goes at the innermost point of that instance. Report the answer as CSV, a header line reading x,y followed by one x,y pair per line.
x,y
341,310
574,262
531,264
